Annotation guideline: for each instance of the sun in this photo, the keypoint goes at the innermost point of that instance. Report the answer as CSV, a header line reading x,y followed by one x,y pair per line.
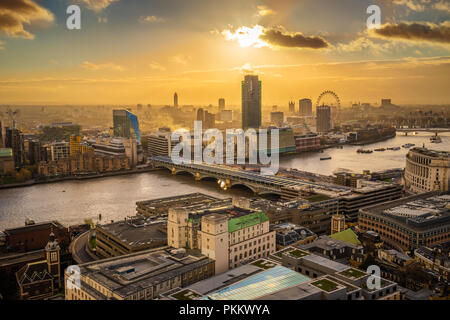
x,y
247,37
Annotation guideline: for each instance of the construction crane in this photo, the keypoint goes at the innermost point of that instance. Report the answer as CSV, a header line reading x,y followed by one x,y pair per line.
x,y
13,115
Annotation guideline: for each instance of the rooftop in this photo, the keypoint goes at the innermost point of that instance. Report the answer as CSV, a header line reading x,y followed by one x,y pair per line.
x,y
432,153
346,236
137,231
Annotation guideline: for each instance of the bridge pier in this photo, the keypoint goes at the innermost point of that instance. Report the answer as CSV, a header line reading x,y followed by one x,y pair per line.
x,y
173,170
197,176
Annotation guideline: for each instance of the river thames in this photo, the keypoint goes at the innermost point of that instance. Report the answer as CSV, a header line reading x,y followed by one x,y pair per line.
x,y
70,202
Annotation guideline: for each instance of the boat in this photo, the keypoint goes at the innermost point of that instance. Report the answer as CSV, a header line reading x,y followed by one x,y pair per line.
x,y
435,139
363,151
380,149
408,145
325,158
396,148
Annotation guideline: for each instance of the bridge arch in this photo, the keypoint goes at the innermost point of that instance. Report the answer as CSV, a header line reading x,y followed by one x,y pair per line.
x,y
238,185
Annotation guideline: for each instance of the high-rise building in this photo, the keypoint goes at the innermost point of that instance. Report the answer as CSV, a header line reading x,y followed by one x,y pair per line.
x,y
200,115
323,119
251,102
126,125
175,100
161,143
305,107
14,140
221,104
59,150
291,107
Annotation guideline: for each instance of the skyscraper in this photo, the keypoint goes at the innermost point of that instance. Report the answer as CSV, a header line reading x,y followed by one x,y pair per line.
x,y
291,107
305,107
221,104
126,125
251,102
14,140
175,100
323,119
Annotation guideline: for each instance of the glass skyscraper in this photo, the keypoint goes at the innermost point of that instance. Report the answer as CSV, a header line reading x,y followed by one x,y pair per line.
x,y
251,102
126,125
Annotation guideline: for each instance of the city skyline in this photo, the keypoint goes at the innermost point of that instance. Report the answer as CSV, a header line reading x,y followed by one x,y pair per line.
x,y
297,48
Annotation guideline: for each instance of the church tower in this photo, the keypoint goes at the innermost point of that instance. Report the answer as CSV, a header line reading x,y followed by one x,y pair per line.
x,y
52,252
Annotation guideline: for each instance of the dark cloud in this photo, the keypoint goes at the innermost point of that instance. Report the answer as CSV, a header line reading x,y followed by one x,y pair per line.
x,y
415,31
295,40
15,13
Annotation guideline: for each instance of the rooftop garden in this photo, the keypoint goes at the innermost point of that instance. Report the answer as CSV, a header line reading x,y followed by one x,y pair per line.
x,y
186,295
353,273
298,253
264,264
318,198
326,285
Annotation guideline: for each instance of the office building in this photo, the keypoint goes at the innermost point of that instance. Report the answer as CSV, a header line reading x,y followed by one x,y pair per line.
x,y
230,235
291,107
126,125
251,102
277,118
226,115
160,143
427,170
307,142
59,150
138,276
221,104
323,122
175,100
409,223
77,146
6,161
305,107
14,140
289,234
131,235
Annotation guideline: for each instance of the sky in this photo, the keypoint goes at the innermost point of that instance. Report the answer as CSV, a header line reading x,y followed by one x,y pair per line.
x,y
142,51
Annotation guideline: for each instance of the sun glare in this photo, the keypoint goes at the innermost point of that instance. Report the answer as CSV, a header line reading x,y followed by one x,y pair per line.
x,y
247,37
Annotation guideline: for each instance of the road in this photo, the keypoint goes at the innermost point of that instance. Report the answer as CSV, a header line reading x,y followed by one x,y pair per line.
x,y
78,249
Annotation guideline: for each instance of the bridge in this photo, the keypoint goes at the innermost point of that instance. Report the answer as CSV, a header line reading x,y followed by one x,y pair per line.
x,y
432,130
228,177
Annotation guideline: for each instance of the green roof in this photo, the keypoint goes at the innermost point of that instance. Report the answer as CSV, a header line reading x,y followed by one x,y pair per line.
x,y
347,236
246,221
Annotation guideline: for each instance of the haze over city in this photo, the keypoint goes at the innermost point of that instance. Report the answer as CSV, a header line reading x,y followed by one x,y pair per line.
x,y
299,48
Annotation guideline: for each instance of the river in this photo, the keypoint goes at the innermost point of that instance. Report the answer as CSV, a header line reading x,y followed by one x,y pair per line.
x,y
70,202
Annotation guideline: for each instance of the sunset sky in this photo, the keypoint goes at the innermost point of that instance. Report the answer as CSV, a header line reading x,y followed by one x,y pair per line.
x,y
142,51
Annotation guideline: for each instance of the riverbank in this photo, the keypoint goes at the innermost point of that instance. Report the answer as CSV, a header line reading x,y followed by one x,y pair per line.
x,y
75,178
379,139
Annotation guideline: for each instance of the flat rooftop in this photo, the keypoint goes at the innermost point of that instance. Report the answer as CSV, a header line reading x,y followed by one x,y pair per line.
x,y
125,275
431,206
162,205
137,231
432,153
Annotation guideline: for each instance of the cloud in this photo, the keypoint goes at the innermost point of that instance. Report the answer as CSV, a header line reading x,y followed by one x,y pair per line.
x,y
156,66
265,11
14,14
414,5
293,40
97,5
415,31
442,6
94,67
259,37
180,59
151,19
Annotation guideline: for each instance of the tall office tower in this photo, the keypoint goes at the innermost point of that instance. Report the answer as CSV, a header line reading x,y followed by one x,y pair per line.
x,y
126,125
251,102
305,107
200,115
291,107
175,100
209,120
323,114
14,140
221,104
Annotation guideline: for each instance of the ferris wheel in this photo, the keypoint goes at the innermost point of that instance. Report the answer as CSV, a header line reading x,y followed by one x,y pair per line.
x,y
329,93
